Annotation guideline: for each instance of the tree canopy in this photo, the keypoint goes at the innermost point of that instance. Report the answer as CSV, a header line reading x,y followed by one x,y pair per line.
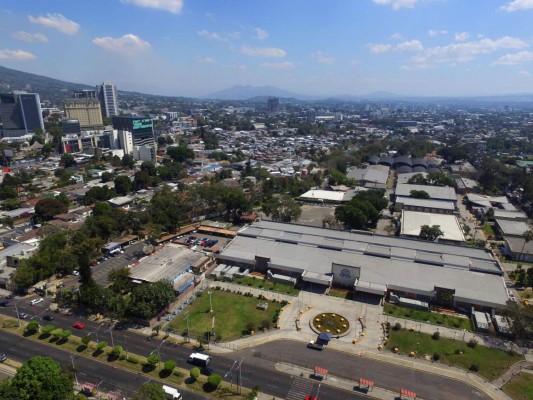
x,y
430,233
47,208
150,391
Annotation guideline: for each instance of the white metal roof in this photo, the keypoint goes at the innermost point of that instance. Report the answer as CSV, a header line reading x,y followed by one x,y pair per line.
x,y
412,222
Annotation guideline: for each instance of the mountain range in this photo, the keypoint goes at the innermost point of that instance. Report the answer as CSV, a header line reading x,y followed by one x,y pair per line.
x,y
55,90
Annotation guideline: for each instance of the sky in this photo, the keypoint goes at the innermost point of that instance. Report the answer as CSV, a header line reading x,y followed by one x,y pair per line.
x,y
311,47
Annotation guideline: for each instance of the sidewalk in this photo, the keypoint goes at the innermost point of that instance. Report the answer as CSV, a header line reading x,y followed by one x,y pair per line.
x,y
341,383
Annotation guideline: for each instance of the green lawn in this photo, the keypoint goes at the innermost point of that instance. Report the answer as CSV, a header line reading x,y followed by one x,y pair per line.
x,y
492,362
488,229
520,387
343,294
267,285
232,313
428,316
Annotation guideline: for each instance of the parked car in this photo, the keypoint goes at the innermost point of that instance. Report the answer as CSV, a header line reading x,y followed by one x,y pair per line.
x,y
77,273
48,317
36,301
3,357
23,315
4,303
315,345
78,325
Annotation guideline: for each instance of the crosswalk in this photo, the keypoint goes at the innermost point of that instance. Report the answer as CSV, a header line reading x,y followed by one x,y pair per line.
x,y
299,389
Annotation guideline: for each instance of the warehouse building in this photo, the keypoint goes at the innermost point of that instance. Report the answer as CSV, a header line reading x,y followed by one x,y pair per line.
x,y
412,222
448,275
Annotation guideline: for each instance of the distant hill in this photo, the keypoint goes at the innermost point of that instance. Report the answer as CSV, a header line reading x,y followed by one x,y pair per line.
x,y
50,89
247,92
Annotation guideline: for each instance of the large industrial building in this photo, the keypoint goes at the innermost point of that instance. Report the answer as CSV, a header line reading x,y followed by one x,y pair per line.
x,y
449,275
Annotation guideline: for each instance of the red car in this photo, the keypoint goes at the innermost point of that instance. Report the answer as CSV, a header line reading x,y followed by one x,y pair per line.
x,y
310,397
78,325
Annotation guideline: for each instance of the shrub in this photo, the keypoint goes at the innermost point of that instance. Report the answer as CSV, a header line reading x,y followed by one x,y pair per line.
x,y
132,360
116,351
169,365
250,326
65,334
436,356
33,326
214,380
474,367
48,329
86,340
436,335
101,345
397,326
472,343
153,359
194,373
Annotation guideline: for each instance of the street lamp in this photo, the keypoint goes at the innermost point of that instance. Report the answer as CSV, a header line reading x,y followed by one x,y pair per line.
x,y
210,303
96,331
158,347
17,311
74,368
317,391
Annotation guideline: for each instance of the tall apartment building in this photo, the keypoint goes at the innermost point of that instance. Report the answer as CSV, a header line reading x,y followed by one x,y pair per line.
x,y
273,104
20,113
142,129
107,94
87,111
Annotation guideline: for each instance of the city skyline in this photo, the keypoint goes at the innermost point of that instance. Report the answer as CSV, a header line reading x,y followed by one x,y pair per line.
x,y
186,48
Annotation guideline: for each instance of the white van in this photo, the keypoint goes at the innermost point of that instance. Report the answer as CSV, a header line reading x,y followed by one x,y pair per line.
x,y
199,359
172,394
36,301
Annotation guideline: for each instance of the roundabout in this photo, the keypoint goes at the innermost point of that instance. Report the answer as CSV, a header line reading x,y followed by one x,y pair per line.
x,y
335,324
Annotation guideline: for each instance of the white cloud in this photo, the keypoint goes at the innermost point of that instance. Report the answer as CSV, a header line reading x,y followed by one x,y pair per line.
x,y
128,44
396,36
240,67
466,51
263,52
173,6
432,32
411,45
462,36
379,48
260,34
219,37
20,55
57,22
397,4
282,66
205,60
515,58
416,67
524,73
517,5
324,59
29,37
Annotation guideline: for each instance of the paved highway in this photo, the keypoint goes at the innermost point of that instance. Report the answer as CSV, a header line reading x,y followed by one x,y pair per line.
x,y
258,364
87,370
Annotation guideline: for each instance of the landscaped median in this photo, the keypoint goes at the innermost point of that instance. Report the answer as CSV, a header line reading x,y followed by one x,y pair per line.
x,y
486,361
152,367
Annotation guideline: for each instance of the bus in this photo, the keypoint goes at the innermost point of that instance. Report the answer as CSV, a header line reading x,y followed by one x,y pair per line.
x,y
111,249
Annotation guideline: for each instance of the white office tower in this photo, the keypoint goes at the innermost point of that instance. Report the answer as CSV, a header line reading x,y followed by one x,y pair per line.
x,y
107,94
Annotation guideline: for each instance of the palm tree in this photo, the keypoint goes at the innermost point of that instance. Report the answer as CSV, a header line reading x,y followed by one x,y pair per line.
x,y
528,237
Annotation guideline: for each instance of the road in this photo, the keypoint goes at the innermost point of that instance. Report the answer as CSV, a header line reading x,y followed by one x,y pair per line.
x,y
87,370
258,364
253,372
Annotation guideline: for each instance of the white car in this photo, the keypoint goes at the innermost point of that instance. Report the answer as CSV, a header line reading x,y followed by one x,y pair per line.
x,y
36,301
77,273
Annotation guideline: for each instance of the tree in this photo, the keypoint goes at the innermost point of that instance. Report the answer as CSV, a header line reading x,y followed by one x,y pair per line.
x,y
529,280
420,194
153,359
150,391
180,153
149,168
430,233
46,209
67,160
283,209
65,334
117,351
86,340
106,176
122,185
41,378
194,373
528,237
32,327
47,150
214,380
101,345
521,320
47,329
128,161
169,365
120,280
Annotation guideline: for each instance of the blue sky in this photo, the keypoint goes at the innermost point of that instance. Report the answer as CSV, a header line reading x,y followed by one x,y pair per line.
x,y
326,47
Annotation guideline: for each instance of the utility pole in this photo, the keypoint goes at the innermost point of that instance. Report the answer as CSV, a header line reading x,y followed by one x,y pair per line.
x,y
210,303
240,376
187,318
17,311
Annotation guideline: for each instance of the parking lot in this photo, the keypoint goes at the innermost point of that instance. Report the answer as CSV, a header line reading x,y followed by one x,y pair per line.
x,y
130,255
199,238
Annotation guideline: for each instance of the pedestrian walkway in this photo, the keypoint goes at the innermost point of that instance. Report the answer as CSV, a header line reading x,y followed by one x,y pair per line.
x,y
513,371
300,388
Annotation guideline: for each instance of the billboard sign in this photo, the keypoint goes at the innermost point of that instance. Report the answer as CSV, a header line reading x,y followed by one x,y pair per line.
x,y
142,123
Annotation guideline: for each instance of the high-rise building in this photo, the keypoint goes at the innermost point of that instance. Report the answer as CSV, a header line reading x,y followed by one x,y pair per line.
x,y
87,111
273,104
71,126
20,113
142,129
84,94
107,94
